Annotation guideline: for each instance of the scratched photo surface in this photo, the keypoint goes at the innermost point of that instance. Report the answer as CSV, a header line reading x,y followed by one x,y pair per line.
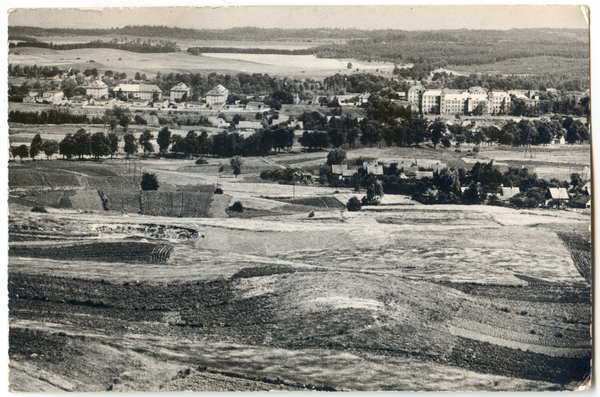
x,y
337,198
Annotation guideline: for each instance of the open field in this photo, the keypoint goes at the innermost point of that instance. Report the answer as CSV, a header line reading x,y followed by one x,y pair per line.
x,y
306,304
181,62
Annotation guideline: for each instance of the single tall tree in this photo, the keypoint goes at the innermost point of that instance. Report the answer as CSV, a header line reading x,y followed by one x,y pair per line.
x,y
164,139
36,146
50,147
113,143
131,144
100,145
236,163
145,142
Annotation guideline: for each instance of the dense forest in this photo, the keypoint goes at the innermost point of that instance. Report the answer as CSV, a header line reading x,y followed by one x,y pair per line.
x,y
462,47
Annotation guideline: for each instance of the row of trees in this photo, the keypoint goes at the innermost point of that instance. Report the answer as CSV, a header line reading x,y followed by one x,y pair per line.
x,y
83,143
226,143
50,116
38,145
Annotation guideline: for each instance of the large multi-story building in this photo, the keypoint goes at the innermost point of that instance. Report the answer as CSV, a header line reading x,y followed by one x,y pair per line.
x,y
139,91
499,101
179,91
431,101
453,101
97,89
414,94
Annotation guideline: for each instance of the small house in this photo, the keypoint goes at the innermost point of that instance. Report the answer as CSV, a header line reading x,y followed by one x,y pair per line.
x,y
556,193
195,105
507,192
160,104
79,100
581,201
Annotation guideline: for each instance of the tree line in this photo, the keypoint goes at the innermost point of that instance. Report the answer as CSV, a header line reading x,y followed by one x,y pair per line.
x,y
132,46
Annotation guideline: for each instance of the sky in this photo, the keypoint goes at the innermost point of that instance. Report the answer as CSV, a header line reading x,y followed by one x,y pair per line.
x,y
337,16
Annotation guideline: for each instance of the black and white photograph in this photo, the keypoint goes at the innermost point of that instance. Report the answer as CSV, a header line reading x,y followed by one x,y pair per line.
x,y
299,198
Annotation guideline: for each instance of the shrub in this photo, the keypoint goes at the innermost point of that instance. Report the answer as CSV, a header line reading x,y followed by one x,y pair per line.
x,y
218,191
222,168
354,204
311,214
39,208
476,149
266,175
201,161
149,181
237,207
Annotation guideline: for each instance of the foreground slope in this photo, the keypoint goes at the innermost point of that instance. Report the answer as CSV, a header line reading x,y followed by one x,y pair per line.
x,y
488,299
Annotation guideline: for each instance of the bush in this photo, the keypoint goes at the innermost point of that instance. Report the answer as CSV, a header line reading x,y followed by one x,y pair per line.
x,y
149,181
266,175
218,191
354,204
237,207
39,208
311,214
201,161
222,168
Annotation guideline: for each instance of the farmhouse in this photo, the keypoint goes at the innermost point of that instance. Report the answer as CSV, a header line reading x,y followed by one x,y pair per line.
x,y
581,201
98,89
507,192
78,100
179,92
139,91
32,97
54,96
556,193
217,97
373,168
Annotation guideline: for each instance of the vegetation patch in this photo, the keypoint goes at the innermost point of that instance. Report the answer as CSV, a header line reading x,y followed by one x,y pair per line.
x,y
129,252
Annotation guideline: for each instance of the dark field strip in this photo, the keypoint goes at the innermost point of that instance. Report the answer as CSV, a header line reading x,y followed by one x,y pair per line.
x,y
534,292
127,252
319,202
581,252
